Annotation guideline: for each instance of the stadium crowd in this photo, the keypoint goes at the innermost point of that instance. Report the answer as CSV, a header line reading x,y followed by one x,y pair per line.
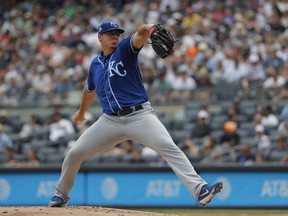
x,y
47,46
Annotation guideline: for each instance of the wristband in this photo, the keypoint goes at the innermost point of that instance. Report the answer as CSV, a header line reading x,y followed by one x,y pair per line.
x,y
151,30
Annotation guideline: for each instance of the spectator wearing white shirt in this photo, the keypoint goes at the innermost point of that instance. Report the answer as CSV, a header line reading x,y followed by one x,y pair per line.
x,y
273,84
255,71
269,119
60,127
274,80
153,13
41,82
218,76
255,75
241,68
263,141
182,85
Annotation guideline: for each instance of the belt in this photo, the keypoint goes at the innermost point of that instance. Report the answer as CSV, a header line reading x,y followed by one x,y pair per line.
x,y
128,110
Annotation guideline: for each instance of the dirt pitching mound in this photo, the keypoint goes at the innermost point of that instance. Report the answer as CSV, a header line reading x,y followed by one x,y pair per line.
x,y
72,211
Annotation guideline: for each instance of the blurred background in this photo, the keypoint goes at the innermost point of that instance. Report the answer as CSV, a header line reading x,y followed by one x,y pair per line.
x,y
222,95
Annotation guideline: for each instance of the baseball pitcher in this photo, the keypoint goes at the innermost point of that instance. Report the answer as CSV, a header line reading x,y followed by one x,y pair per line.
x,y
115,77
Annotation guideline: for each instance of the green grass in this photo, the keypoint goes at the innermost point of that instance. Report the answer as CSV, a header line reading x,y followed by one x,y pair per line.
x,y
227,211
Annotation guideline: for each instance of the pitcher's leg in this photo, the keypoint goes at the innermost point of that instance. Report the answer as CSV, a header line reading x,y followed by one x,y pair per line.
x,y
99,137
157,137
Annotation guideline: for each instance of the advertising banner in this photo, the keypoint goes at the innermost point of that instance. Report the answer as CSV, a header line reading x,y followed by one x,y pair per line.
x,y
250,189
137,189
35,189
154,189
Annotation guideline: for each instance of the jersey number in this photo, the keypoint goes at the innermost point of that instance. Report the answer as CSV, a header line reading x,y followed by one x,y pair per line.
x,y
115,69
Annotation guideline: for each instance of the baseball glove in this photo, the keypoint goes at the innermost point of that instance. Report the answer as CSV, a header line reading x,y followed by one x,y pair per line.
x,y
161,40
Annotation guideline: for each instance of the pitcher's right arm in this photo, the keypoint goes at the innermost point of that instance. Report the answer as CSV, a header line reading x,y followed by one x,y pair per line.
x,y
87,99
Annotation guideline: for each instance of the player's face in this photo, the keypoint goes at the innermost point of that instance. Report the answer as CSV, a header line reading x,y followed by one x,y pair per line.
x,y
110,39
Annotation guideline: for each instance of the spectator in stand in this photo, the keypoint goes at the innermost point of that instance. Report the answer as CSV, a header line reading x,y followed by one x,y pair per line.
x,y
153,13
204,110
245,156
136,156
219,77
26,155
235,107
282,94
269,119
207,150
230,137
161,88
257,118
273,60
6,146
273,84
234,112
13,92
229,63
191,18
284,112
11,124
242,65
148,75
283,127
31,158
260,158
278,150
202,127
126,147
27,133
41,82
60,128
263,141
31,127
62,86
255,75
182,85
15,84
201,74
282,52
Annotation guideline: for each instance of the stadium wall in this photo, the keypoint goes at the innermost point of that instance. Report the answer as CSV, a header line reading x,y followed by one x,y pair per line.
x,y
142,186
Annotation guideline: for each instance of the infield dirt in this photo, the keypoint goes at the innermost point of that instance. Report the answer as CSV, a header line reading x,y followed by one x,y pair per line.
x,y
100,211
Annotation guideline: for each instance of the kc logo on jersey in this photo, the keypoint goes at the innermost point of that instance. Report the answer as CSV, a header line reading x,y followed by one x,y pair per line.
x,y
114,69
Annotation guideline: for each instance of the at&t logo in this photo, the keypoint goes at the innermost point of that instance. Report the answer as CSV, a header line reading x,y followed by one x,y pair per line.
x,y
109,188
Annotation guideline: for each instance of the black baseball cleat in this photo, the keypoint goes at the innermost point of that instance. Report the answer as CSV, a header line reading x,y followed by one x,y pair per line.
x,y
57,201
208,191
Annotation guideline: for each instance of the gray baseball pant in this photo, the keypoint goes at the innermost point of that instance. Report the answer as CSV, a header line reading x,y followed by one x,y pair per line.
x,y
142,126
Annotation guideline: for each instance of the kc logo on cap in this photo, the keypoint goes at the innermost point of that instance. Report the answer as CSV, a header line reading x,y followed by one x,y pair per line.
x,y
109,26
113,23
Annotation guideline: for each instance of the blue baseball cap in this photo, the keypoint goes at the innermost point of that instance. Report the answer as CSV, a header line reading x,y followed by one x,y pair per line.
x,y
109,26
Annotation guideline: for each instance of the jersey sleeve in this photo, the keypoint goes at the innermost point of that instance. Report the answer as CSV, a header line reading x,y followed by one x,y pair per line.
x,y
89,82
126,44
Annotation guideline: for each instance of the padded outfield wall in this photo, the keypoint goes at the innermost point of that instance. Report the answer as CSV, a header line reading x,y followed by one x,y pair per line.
x,y
142,186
